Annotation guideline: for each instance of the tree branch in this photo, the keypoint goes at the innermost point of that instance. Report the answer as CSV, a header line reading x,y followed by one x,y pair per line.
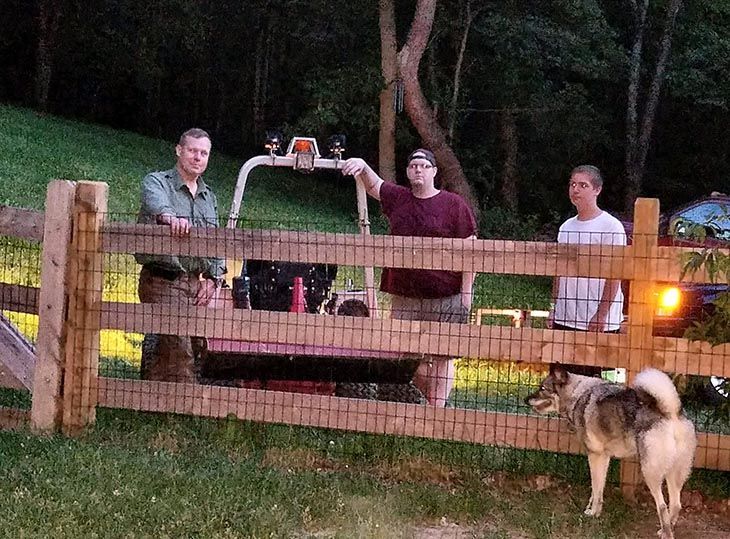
x,y
657,81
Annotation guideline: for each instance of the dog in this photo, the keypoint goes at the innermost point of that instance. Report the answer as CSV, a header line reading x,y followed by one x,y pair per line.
x,y
613,420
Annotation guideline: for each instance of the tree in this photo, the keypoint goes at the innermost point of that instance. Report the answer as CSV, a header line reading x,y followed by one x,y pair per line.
x,y
639,128
540,100
389,67
49,17
416,106
468,18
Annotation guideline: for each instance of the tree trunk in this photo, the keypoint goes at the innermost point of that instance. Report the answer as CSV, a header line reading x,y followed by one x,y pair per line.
x,y
420,113
49,16
509,141
389,67
261,74
639,140
468,19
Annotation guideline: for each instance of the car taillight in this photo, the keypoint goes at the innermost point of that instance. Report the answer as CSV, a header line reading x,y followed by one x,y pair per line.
x,y
668,301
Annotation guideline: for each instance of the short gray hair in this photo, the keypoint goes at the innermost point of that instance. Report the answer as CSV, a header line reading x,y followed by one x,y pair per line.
x,y
195,132
593,172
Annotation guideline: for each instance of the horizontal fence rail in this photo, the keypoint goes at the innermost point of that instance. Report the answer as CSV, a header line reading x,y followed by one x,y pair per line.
x,y
486,256
21,223
526,345
472,426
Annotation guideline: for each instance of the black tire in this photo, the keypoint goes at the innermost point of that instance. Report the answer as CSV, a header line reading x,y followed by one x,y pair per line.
x,y
408,393
356,390
716,390
149,354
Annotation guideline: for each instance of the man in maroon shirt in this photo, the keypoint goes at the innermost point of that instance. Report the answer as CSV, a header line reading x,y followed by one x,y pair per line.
x,y
418,294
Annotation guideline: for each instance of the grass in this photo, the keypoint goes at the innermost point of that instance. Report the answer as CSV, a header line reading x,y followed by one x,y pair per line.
x,y
169,476
151,475
37,149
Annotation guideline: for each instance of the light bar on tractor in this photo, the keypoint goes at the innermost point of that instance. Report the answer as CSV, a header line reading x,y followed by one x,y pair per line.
x,y
303,155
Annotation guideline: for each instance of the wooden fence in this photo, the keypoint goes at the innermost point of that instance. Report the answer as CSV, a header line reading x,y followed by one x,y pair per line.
x,y
67,388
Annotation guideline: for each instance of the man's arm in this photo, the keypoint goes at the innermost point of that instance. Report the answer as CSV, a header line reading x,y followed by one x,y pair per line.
x,y
599,320
553,301
362,171
156,204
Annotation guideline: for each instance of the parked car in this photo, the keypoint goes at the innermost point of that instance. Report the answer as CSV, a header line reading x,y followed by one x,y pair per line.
x,y
703,223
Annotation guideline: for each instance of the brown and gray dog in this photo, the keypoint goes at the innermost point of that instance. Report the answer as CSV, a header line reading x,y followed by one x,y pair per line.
x,y
613,420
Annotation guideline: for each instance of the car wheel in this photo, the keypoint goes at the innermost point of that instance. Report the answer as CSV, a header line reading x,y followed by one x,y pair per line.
x,y
717,389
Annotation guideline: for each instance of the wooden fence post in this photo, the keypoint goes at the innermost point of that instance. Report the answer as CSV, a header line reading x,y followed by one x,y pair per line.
x,y
86,277
46,407
641,310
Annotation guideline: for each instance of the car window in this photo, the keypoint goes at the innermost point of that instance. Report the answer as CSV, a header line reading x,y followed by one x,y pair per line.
x,y
714,216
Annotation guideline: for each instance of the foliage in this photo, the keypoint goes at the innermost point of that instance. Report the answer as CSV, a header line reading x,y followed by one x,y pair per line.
x,y
715,329
559,66
498,222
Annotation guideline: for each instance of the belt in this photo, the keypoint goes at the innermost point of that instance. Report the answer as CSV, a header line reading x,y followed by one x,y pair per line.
x,y
164,273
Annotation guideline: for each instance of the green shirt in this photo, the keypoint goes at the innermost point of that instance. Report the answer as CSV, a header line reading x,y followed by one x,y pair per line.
x,y
165,192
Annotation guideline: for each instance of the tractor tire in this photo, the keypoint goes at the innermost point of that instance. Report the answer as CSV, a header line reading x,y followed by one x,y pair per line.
x,y
149,354
408,393
355,390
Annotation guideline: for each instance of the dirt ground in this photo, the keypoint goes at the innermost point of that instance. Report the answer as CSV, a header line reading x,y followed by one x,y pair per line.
x,y
700,519
700,526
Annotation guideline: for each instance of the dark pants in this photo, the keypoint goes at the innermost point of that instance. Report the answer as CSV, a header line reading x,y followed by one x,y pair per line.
x,y
174,360
584,370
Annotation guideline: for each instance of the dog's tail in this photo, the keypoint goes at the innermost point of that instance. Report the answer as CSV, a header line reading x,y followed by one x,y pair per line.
x,y
660,386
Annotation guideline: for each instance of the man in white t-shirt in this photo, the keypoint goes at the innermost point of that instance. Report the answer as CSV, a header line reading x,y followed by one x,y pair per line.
x,y
583,303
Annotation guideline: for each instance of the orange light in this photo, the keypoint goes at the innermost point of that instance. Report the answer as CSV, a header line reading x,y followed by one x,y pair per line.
x,y
668,301
303,146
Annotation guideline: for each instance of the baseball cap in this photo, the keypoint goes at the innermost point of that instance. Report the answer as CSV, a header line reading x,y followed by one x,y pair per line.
x,y
422,153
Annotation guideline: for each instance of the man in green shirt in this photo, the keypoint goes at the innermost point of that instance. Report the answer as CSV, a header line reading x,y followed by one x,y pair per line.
x,y
179,199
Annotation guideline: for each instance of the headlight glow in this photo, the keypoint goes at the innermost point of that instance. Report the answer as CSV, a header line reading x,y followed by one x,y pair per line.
x,y
668,301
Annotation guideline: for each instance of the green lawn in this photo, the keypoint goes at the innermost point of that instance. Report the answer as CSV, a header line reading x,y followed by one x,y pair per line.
x,y
168,476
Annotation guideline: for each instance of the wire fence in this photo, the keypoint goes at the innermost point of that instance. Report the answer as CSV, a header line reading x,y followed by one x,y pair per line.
x,y
302,335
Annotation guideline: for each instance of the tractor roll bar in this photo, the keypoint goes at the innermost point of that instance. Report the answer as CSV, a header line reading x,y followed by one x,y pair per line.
x,y
326,164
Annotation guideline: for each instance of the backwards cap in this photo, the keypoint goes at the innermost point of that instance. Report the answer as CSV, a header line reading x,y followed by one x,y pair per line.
x,y
422,153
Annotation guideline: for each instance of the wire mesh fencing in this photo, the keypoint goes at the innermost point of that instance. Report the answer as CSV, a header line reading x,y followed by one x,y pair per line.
x,y
299,336
302,334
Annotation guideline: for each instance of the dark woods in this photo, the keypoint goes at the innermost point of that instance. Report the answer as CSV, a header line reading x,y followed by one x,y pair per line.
x,y
522,90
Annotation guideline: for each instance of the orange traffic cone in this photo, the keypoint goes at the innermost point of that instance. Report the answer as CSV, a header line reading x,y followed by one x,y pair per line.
x,y
298,303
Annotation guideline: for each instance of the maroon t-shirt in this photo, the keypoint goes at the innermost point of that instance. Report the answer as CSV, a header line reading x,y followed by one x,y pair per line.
x,y
445,215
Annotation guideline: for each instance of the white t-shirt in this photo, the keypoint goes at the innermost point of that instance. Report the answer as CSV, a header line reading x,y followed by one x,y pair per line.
x,y
578,297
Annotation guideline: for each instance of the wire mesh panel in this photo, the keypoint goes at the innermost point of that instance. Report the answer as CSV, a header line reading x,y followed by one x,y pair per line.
x,y
19,281
301,345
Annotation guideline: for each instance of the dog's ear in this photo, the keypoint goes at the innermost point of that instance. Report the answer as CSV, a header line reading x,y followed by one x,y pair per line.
x,y
559,373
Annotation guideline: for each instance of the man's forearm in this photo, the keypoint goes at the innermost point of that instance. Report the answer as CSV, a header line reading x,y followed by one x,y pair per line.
x,y
609,294
371,181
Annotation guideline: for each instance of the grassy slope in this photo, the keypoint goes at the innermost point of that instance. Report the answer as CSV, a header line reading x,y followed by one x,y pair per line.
x,y
38,149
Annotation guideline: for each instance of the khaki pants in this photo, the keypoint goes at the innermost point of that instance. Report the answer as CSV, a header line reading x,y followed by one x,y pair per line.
x,y
175,357
435,375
